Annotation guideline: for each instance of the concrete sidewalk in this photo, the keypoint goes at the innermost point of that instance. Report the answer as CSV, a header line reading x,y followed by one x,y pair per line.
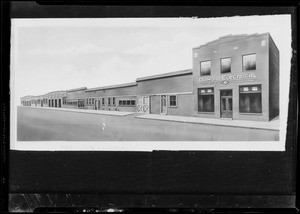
x,y
272,125
87,111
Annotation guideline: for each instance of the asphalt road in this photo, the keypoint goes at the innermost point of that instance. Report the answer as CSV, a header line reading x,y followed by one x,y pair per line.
x,y
48,125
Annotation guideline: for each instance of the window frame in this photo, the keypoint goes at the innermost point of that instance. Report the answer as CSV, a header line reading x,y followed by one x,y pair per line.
x,y
176,101
221,65
209,68
243,68
206,94
123,102
251,92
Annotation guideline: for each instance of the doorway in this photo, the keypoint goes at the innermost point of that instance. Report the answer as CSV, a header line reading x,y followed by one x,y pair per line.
x,y
143,104
99,104
163,104
226,103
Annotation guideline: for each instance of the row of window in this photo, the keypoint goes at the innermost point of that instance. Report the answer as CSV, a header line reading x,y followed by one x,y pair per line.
x,y
126,102
42,102
249,64
111,101
249,99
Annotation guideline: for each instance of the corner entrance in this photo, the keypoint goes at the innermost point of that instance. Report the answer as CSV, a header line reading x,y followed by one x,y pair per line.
x,y
226,103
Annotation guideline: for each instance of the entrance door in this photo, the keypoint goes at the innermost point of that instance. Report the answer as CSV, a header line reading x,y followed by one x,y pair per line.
x,y
163,104
146,105
226,103
99,104
143,104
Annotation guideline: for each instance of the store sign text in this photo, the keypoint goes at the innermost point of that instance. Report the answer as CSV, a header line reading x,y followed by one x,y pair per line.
x,y
225,79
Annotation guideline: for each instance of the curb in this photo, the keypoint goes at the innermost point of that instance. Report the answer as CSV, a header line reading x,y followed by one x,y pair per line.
x,y
212,124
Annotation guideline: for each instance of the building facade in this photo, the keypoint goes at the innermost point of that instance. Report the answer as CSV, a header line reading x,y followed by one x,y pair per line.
x,y
233,77
237,77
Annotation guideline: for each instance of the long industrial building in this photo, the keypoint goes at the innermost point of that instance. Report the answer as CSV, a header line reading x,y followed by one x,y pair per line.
x,y
233,77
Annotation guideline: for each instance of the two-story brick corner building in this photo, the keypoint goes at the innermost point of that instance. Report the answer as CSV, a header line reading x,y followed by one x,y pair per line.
x,y
237,76
233,77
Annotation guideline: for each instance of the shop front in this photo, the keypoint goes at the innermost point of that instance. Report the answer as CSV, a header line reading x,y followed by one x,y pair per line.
x,y
238,96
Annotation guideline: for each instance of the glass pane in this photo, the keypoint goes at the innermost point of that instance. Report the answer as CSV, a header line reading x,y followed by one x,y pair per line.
x,y
206,103
249,62
205,68
229,104
223,106
255,103
226,65
244,103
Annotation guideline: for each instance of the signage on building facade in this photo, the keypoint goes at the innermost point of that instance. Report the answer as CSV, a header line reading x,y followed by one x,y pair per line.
x,y
226,79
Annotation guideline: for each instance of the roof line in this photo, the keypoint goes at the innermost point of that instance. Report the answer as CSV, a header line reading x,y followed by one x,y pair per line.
x,y
238,36
112,86
77,89
164,75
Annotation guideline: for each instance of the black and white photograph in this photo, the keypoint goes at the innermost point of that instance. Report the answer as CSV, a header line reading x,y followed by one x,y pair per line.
x,y
181,83
167,108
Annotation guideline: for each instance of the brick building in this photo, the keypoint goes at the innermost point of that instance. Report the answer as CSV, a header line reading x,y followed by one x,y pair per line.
x,y
233,77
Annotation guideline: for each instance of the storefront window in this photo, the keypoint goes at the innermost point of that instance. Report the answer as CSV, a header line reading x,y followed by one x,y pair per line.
x,y
205,68
206,100
249,62
226,65
250,99
173,101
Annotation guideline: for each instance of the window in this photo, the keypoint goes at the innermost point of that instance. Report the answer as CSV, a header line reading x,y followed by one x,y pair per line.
x,y
64,100
80,103
249,62
93,101
173,101
103,101
206,100
126,102
250,99
225,65
114,101
205,68
109,101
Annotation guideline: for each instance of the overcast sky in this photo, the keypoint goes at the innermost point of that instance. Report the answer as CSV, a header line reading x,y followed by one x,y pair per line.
x,y
61,54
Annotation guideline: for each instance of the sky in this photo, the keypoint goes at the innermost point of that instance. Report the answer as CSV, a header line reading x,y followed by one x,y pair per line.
x,y
61,54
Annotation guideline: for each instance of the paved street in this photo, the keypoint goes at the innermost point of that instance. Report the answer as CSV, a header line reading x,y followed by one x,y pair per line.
x,y
35,124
